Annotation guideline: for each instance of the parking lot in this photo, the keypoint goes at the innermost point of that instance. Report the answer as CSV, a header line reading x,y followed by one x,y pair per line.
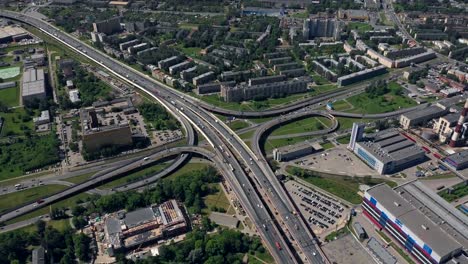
x,y
328,160
165,136
323,213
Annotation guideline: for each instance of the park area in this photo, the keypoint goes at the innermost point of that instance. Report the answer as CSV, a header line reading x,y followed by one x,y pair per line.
x,y
381,98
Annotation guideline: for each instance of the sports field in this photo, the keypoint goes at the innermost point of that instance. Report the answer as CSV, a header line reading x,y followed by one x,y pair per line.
x,y
8,73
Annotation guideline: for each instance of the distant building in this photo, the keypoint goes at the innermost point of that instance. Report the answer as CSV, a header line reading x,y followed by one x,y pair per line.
x,y
166,63
380,252
203,78
296,151
6,85
386,151
44,118
138,47
38,256
245,92
421,116
424,224
314,28
33,84
12,34
361,75
101,131
353,14
127,44
129,230
445,126
458,161
214,87
175,69
74,96
108,27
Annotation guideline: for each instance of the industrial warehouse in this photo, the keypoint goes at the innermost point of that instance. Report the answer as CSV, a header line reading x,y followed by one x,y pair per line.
x,y
386,151
124,230
423,223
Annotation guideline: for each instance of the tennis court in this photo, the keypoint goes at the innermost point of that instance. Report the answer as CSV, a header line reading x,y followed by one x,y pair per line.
x,y
8,73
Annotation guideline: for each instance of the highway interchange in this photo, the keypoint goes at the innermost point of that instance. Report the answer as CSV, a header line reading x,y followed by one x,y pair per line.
x,y
259,191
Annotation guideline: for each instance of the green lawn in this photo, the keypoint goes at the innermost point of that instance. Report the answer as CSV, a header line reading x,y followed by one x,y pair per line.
x,y
16,122
345,187
303,15
187,168
460,190
363,103
327,145
28,154
342,105
247,135
360,26
10,96
304,125
337,234
343,139
217,199
261,120
440,176
80,178
271,144
238,124
69,202
11,200
346,122
134,176
191,52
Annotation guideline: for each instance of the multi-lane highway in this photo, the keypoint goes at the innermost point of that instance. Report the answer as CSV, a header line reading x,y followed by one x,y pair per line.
x,y
217,134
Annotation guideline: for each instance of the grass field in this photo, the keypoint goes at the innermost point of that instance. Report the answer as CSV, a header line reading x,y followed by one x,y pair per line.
x,y
13,122
187,168
346,123
80,178
460,190
440,176
304,125
146,172
363,103
345,187
69,202
10,96
343,139
218,200
11,200
247,135
271,144
238,124
327,145
359,26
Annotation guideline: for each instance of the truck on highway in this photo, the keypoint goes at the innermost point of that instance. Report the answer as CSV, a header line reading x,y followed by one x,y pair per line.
x,y
230,166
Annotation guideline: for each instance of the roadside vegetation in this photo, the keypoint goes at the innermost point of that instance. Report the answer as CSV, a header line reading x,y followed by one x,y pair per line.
x,y
454,193
345,187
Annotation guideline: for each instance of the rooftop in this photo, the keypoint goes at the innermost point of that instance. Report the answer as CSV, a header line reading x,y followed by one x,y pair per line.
x,y
414,220
389,145
10,31
380,252
33,82
459,157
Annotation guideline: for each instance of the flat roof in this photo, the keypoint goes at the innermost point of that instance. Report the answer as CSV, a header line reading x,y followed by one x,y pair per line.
x,y
388,145
380,252
459,157
139,216
450,219
33,82
11,31
414,220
